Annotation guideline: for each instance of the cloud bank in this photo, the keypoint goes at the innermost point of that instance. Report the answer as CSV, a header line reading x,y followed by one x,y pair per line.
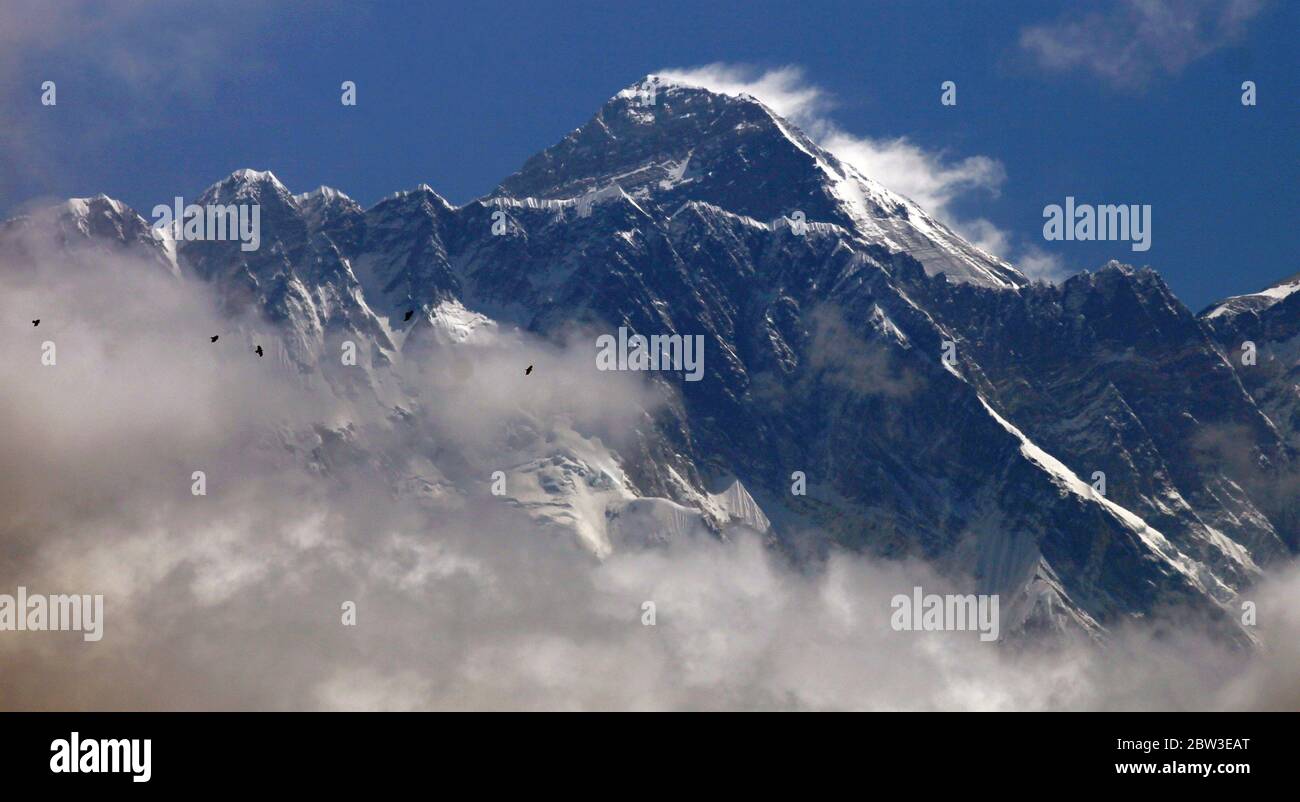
x,y
233,600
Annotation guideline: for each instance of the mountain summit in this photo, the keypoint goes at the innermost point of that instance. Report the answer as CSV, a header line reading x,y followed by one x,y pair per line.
x,y
731,151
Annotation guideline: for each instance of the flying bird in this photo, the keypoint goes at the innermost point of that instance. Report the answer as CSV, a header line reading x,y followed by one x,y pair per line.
x,y
409,312
214,337
530,370
36,322
259,350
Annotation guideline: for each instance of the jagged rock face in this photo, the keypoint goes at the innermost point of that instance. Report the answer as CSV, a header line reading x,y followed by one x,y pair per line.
x,y
1110,372
399,255
1268,324
823,356
825,367
298,278
1271,321
328,209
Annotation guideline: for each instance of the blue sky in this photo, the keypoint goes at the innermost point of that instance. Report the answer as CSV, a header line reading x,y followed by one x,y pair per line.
x,y
1125,102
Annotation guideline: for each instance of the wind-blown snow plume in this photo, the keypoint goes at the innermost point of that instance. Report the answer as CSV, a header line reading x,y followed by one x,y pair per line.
x,y
933,179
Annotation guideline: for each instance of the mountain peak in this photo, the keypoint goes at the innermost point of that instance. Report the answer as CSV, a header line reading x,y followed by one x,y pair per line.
x,y
637,91
83,207
247,185
250,176
323,194
666,143
639,141
422,194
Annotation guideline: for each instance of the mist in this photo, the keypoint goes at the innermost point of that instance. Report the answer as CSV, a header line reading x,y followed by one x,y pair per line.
x,y
234,599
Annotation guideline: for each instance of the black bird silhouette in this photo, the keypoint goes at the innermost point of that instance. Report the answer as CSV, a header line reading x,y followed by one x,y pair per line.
x,y
36,322
259,350
530,370
409,312
214,337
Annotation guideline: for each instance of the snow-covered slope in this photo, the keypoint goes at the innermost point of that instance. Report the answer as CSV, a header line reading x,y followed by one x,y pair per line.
x,y
1260,337
1254,302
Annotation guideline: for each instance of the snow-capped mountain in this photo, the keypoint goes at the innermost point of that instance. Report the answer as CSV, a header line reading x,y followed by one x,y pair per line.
x,y
826,304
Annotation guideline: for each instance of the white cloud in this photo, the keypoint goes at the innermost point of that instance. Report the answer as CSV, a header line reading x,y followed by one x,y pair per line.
x,y
927,177
933,179
1037,263
1136,40
984,234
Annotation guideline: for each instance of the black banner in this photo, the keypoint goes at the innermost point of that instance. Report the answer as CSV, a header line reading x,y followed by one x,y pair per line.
x,y
236,751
